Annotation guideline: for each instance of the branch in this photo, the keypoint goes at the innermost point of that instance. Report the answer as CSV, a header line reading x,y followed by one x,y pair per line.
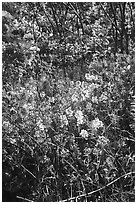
x,y
131,13
75,11
28,171
43,8
109,17
80,19
95,191
24,199
54,15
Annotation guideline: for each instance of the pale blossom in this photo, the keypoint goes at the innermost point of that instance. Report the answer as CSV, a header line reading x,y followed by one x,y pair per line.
x,y
96,123
94,99
86,93
64,120
103,97
74,98
78,84
91,77
69,112
84,134
102,141
89,106
79,116
40,124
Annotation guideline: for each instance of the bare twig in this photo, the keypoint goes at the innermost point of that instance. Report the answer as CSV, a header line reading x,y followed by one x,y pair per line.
x,y
24,199
109,17
54,15
95,191
28,171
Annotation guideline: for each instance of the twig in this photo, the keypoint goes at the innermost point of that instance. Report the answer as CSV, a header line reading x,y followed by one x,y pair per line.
x,y
95,191
109,17
28,171
25,199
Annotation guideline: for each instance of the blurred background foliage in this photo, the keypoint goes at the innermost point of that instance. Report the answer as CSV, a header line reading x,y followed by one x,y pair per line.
x,y
68,101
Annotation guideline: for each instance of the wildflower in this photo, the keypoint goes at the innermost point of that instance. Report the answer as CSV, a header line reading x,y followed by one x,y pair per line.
x,y
84,85
64,152
86,93
83,97
114,119
78,84
128,67
87,151
64,120
97,151
89,106
91,87
97,124
74,98
89,77
13,141
71,83
42,94
51,99
110,163
79,116
40,124
84,134
7,126
102,141
69,112
24,111
103,98
94,99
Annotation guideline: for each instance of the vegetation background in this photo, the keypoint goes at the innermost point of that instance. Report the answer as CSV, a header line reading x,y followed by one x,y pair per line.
x,y
68,118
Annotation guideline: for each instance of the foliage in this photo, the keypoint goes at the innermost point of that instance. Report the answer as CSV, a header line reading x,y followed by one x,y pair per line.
x,y
68,101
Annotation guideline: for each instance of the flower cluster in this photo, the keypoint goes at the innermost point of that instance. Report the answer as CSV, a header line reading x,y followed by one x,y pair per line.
x,y
91,77
64,120
40,124
96,124
69,112
79,116
84,134
102,141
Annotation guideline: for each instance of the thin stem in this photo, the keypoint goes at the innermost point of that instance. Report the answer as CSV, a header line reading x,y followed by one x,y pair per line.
x,y
95,191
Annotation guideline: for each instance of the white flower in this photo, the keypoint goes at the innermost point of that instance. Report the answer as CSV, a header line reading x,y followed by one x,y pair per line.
x,y
64,120
40,124
88,77
71,83
102,141
103,97
128,67
86,93
13,141
42,94
79,116
69,112
91,87
78,84
97,124
89,106
84,134
84,85
74,98
94,99
83,97
91,77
